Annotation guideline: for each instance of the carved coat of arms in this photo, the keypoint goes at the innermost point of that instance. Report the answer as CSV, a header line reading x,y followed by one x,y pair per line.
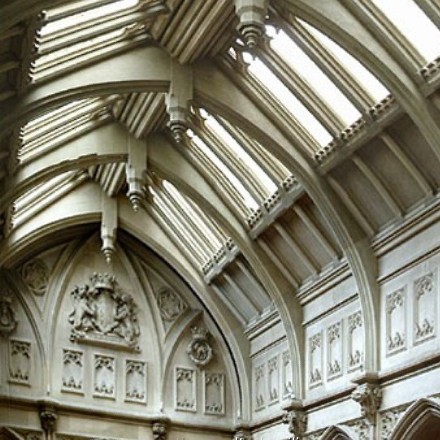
x,y
104,313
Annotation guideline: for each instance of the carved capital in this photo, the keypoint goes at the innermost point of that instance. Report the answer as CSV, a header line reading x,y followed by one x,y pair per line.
x,y
369,397
296,419
159,431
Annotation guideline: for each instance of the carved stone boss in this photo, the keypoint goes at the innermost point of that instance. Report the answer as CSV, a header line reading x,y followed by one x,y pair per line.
x,y
159,431
8,322
171,306
199,349
104,314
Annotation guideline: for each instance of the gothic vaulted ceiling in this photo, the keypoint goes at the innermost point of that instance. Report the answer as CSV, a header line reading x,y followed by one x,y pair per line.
x,y
260,147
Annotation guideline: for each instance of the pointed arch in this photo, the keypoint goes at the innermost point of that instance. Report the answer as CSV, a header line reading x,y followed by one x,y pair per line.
x,y
420,421
338,432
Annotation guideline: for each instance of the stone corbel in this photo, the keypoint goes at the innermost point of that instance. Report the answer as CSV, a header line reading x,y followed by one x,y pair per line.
x,y
159,431
48,417
135,172
242,434
109,226
369,396
296,419
178,98
252,15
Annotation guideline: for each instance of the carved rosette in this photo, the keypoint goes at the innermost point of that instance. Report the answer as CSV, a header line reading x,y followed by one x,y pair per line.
x,y
104,313
199,349
35,274
369,397
8,322
171,306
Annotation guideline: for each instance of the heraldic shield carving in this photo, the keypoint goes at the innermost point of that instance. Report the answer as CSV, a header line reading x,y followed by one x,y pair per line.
x,y
104,314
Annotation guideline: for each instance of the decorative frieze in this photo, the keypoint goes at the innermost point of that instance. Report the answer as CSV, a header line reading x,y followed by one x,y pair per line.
x,y
355,341
214,393
273,379
425,308
8,322
171,305
104,377
104,314
185,389
315,360
286,373
396,321
19,361
73,371
35,274
334,351
260,393
199,349
388,420
135,381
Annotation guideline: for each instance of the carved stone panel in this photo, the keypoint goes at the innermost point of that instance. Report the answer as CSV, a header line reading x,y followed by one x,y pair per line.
x,y
19,361
273,379
425,308
8,322
135,381
104,314
170,304
104,377
214,393
315,360
73,371
396,321
35,274
185,389
334,351
260,387
355,341
286,372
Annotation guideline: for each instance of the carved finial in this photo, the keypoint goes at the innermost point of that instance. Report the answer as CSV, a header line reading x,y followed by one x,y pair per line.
x,y
135,198
159,431
178,130
296,419
8,322
369,397
252,14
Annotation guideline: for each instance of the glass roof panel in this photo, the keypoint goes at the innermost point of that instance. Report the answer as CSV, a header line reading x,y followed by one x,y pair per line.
x,y
84,16
248,200
368,81
240,153
311,73
412,22
289,101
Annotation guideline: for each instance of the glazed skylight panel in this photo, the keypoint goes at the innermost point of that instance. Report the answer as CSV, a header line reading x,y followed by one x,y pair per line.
x,y
249,168
359,73
239,195
78,36
299,62
273,85
61,124
414,25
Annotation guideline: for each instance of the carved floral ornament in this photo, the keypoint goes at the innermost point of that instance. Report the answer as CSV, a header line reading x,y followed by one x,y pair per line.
x,y
199,349
104,313
171,306
8,322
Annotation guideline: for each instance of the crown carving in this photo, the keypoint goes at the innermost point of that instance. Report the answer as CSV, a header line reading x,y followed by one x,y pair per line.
x,y
103,281
199,333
